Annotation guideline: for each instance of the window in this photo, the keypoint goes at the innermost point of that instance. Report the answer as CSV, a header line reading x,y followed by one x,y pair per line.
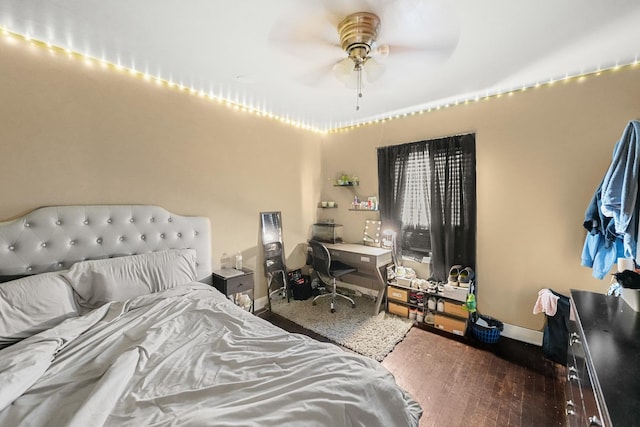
x,y
427,194
415,213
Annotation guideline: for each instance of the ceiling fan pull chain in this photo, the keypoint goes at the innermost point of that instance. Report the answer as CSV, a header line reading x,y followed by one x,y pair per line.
x,y
359,84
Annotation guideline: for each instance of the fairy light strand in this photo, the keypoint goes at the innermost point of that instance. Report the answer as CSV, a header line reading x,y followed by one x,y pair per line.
x,y
90,61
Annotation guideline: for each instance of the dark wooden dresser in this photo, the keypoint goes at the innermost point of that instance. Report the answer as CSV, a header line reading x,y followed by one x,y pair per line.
x,y
603,364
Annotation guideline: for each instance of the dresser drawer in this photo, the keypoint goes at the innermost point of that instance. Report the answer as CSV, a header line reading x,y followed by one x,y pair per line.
x,y
581,406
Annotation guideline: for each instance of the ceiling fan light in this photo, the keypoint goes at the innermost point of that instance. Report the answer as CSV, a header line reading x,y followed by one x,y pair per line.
x,y
373,69
346,72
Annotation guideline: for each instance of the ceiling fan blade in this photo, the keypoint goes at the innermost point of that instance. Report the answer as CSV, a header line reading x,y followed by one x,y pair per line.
x,y
442,49
317,75
420,27
305,38
381,51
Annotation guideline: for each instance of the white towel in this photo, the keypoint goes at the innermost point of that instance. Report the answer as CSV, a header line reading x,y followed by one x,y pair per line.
x,y
546,303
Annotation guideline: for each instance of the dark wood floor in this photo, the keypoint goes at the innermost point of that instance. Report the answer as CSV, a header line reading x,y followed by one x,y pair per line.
x,y
461,382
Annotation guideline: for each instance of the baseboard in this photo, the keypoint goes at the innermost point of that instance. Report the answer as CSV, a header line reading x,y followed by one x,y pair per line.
x,y
522,334
260,304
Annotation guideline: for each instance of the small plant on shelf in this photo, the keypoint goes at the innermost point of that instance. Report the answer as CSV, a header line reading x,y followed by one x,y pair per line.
x,y
347,180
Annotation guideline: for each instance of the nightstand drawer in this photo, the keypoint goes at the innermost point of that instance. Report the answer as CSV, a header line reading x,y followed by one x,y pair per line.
x,y
230,285
236,285
239,284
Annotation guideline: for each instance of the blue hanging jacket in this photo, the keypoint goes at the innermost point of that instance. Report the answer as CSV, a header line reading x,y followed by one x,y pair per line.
x,y
611,218
620,188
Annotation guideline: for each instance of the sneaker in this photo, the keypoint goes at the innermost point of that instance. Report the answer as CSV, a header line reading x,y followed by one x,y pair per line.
x,y
454,273
413,297
432,288
430,318
465,277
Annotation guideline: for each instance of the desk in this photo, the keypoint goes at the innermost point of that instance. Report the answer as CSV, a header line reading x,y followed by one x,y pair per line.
x,y
370,262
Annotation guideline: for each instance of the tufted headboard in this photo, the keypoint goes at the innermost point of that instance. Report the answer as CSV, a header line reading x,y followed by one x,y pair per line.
x,y
53,238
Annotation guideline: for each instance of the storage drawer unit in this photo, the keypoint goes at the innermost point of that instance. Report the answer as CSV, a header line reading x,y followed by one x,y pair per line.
x,y
397,294
403,300
398,309
455,309
450,324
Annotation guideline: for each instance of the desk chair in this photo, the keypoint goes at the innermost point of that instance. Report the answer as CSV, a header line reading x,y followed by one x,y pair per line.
x,y
323,264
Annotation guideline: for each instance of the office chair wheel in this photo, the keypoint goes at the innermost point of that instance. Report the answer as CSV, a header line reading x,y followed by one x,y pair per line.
x,y
333,310
313,303
353,305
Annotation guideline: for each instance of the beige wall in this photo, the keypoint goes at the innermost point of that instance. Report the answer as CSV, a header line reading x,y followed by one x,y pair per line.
x,y
540,156
70,134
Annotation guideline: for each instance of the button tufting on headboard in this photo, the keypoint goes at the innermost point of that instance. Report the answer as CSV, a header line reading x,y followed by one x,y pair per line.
x,y
53,238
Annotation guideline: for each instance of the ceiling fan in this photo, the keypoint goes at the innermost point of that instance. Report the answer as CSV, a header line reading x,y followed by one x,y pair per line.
x,y
358,33
416,33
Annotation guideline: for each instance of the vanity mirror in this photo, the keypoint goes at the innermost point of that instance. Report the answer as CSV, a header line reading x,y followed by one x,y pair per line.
x,y
371,235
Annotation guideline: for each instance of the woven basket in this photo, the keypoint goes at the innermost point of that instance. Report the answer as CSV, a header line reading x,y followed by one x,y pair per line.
x,y
488,335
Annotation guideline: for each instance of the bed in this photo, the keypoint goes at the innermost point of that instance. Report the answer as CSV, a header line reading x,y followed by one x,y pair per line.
x,y
115,324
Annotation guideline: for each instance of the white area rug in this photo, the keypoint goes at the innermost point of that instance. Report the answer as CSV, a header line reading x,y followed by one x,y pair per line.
x,y
354,328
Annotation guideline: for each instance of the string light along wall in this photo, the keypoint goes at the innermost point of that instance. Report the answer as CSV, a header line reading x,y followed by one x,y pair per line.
x,y
487,96
12,37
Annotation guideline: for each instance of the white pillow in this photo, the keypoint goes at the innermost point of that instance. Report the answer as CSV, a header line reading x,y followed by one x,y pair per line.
x,y
118,279
33,304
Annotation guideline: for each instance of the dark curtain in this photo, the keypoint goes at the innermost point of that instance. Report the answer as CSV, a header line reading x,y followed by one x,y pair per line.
x,y
391,184
450,196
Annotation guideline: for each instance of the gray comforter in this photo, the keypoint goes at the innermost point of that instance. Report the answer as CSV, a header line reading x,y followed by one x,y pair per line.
x,y
189,357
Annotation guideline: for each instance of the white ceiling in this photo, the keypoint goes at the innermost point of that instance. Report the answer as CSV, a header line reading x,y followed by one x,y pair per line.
x,y
277,55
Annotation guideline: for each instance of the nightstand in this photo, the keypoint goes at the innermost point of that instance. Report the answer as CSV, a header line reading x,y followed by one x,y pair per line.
x,y
235,283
